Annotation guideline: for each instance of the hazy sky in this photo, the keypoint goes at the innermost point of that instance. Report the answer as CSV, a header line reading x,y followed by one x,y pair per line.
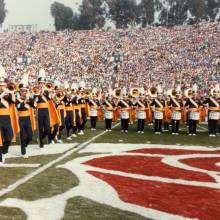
x,y
33,12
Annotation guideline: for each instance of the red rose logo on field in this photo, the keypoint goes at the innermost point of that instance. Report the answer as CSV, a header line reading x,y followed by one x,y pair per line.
x,y
179,182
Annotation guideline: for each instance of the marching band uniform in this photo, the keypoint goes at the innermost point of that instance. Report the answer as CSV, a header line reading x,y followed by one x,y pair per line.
x,y
177,105
124,105
94,105
47,114
141,113
26,121
213,112
77,114
193,105
109,106
82,108
167,114
158,105
69,120
8,119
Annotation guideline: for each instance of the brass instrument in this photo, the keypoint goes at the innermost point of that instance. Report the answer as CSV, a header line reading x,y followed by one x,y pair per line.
x,y
60,95
172,93
36,90
214,92
49,86
152,92
87,92
12,87
68,91
135,92
117,93
188,93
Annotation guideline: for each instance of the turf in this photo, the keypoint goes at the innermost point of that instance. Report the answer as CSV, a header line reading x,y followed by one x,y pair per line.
x,y
82,208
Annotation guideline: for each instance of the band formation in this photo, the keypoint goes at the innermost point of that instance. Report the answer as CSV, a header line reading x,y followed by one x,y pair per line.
x,y
51,108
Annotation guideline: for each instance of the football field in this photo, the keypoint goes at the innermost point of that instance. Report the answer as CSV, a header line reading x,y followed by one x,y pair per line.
x,y
114,175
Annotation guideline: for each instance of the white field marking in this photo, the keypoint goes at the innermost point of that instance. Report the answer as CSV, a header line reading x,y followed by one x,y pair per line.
x,y
21,165
34,150
201,127
48,165
218,164
117,148
89,187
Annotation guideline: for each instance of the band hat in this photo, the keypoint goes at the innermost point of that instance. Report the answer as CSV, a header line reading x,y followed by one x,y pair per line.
x,y
42,76
82,84
195,88
74,86
159,90
94,91
3,75
142,92
24,82
178,90
66,85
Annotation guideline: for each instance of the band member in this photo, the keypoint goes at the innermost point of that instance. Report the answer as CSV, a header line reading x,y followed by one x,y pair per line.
x,y
8,119
60,106
77,113
109,106
94,104
124,105
213,111
158,105
141,105
25,106
68,101
82,108
193,105
47,114
167,113
176,104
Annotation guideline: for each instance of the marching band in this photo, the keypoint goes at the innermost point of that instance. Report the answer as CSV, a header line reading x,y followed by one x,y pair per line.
x,y
51,108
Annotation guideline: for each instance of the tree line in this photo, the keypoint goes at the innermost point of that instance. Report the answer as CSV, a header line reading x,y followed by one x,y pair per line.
x,y
127,13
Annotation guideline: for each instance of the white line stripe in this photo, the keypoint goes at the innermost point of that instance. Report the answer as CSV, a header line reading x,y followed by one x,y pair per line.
x,y
48,165
15,165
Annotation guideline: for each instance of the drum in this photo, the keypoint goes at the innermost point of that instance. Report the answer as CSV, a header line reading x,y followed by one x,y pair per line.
x,y
158,115
213,115
141,115
176,115
108,115
93,112
124,115
194,116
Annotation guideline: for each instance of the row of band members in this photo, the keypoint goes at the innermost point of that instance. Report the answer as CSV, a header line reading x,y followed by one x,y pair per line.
x,y
71,112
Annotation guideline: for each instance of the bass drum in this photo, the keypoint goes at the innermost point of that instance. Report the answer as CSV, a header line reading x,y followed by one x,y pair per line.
x,y
194,116
158,115
176,115
213,115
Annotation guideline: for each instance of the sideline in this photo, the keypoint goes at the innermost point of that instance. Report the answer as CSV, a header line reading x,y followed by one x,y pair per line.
x,y
50,164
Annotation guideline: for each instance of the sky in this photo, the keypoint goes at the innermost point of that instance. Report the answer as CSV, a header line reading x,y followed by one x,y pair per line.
x,y
25,12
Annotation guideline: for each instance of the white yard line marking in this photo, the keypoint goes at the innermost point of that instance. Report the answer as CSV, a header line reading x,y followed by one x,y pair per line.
x,y
48,165
17,165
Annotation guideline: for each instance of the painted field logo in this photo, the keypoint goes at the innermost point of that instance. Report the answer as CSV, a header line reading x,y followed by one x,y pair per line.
x,y
183,183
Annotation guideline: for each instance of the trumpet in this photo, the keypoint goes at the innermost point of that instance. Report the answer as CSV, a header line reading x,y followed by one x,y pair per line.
x,y
60,95
117,93
135,92
49,86
68,91
12,87
36,90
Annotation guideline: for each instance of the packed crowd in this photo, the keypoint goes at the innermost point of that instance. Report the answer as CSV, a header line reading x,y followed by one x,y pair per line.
x,y
181,55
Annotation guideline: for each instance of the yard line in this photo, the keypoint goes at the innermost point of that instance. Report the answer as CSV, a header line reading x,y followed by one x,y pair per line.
x,y
50,164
